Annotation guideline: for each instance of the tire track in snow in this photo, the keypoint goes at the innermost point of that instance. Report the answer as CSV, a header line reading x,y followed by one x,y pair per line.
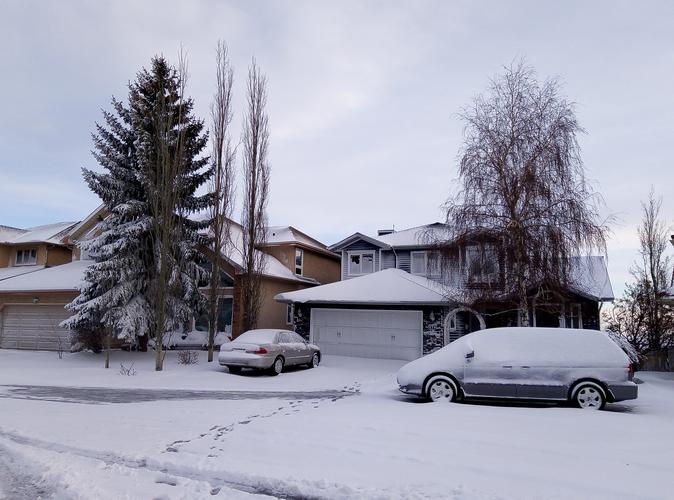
x,y
20,480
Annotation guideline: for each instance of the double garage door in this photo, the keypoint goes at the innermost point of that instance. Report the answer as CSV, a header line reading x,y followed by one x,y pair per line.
x,y
33,327
368,333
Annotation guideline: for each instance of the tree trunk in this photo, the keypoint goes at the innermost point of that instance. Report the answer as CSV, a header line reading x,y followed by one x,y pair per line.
x,y
108,334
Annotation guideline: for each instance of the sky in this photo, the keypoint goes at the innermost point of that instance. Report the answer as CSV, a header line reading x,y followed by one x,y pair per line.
x,y
364,98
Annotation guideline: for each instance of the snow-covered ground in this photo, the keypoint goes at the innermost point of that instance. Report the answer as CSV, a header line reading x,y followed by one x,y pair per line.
x,y
375,444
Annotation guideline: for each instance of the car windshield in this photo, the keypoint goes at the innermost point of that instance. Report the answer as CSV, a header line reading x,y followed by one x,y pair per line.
x,y
257,337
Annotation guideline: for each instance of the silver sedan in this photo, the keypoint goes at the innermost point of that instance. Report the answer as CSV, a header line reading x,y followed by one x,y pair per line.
x,y
268,349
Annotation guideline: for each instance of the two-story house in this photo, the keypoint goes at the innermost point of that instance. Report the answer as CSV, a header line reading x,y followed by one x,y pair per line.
x,y
41,270
395,300
32,297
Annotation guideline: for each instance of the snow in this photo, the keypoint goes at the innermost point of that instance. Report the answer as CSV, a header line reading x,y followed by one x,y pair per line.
x,y
261,336
49,233
426,235
589,276
10,272
390,286
377,444
66,277
277,235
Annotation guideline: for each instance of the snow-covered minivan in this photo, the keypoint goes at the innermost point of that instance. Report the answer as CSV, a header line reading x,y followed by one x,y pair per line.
x,y
584,367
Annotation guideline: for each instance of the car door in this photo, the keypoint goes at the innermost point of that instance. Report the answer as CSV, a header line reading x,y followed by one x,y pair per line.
x,y
304,351
488,373
286,344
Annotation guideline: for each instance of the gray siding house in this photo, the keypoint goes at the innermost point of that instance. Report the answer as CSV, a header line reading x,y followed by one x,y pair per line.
x,y
395,300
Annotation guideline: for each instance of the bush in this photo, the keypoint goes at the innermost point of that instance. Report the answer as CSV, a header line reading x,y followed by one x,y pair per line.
x,y
188,357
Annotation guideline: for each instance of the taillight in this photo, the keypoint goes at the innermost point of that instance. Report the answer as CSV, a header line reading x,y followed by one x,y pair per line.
x,y
630,371
261,350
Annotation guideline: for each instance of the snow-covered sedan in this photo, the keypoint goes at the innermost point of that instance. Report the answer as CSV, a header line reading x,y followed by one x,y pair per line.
x,y
584,367
270,350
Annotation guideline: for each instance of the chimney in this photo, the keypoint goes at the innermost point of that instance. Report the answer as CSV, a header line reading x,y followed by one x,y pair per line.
x,y
382,232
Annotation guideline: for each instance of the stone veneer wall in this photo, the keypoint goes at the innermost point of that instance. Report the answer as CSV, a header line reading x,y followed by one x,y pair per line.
x,y
434,328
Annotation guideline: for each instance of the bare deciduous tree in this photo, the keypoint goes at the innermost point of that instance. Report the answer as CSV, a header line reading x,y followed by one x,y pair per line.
x,y
222,182
256,172
653,273
523,187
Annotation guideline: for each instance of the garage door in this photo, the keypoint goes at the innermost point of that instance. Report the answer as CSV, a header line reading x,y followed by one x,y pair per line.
x,y
368,333
34,327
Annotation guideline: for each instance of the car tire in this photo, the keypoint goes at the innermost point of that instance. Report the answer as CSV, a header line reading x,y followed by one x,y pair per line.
x,y
441,388
315,360
589,396
277,366
234,369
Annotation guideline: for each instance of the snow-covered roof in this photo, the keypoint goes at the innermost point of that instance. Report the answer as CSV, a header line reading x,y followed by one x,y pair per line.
x,y
419,236
49,233
416,236
273,267
66,277
287,234
589,277
390,286
10,272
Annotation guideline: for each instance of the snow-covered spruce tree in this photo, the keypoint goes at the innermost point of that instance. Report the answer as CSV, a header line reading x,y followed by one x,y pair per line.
x,y
145,277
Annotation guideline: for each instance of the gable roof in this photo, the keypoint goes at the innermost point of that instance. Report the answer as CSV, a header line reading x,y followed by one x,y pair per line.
x,y
418,236
48,233
289,235
390,286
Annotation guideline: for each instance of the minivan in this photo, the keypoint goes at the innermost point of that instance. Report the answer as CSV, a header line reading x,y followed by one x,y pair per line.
x,y
584,367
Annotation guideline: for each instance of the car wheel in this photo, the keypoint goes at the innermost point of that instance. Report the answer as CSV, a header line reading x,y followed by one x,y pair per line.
x,y
315,360
277,367
441,388
234,369
589,396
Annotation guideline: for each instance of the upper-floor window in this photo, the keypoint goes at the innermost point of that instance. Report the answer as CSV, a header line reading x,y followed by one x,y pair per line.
x,y
424,263
482,263
26,257
361,263
299,261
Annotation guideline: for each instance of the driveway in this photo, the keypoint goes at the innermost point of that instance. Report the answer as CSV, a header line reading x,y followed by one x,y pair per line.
x,y
106,395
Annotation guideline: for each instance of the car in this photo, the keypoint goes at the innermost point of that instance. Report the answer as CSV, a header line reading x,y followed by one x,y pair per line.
x,y
584,367
268,349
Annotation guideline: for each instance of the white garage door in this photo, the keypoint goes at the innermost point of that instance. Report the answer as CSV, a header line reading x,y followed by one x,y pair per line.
x,y
368,333
34,327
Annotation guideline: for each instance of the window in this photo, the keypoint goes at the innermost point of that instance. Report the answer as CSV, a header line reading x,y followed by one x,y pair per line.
x,y
299,261
26,257
284,338
224,317
575,318
481,263
418,262
361,263
298,338
290,311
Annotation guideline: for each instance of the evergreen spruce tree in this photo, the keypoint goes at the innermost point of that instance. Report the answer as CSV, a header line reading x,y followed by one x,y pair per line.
x,y
119,292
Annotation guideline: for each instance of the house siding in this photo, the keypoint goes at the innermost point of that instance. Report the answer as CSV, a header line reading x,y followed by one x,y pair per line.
x,y
388,259
356,246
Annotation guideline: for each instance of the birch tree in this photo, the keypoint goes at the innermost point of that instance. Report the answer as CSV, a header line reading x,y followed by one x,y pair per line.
x,y
523,188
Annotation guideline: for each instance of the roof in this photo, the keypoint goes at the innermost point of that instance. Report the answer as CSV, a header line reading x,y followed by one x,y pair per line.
x,y
419,236
390,286
66,277
49,233
90,220
273,267
10,272
425,235
589,277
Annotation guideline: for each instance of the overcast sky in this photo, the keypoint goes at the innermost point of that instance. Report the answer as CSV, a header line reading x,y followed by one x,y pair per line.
x,y
363,97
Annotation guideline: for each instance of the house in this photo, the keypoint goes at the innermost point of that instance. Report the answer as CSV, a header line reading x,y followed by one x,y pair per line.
x,y
669,298
395,300
35,284
43,268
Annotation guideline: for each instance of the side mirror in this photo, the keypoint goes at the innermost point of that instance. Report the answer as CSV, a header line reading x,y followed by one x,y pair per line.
x,y
470,355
